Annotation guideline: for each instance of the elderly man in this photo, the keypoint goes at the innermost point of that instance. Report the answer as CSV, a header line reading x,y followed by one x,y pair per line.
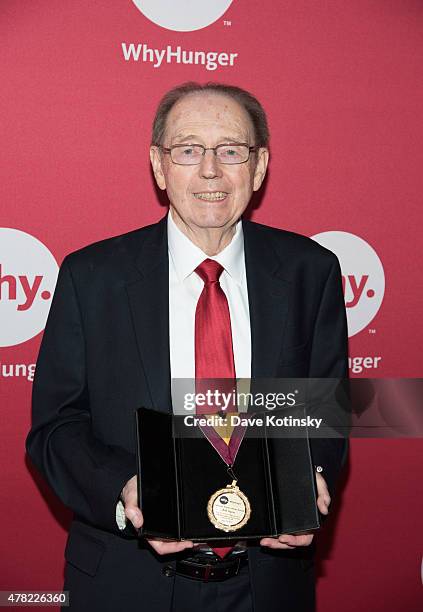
x,y
132,312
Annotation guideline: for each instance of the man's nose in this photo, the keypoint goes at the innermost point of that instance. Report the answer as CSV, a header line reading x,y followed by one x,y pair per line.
x,y
209,166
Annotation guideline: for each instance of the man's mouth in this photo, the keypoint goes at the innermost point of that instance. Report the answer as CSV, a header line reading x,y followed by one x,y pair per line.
x,y
211,196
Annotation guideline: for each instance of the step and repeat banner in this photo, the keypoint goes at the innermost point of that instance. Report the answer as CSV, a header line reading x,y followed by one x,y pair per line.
x,y
341,83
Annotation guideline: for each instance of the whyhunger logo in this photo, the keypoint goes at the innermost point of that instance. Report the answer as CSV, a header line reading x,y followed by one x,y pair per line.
x,y
209,59
363,277
28,275
183,15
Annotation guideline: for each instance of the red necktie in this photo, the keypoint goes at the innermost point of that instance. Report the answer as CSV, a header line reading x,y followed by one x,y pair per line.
x,y
214,357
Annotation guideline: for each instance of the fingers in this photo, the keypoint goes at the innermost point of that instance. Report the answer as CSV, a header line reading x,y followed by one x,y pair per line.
x,y
323,504
287,541
323,499
134,514
130,501
130,491
297,540
167,548
274,543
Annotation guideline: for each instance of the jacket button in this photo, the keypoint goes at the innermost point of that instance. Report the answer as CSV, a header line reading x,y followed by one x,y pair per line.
x,y
167,570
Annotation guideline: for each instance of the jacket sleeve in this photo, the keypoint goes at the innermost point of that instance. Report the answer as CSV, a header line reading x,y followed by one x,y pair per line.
x,y
329,361
84,472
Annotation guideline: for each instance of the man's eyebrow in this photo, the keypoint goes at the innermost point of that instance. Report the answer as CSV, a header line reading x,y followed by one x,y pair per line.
x,y
232,139
183,138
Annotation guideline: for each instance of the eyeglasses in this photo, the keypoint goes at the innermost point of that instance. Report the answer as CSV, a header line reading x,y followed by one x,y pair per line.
x,y
192,154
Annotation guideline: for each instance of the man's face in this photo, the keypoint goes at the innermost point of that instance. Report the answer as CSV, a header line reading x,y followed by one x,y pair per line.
x,y
211,194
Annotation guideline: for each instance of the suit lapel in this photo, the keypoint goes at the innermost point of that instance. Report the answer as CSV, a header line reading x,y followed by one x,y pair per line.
x,y
149,304
268,296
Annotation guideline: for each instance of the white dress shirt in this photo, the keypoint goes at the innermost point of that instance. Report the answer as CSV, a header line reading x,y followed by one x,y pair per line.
x,y
185,287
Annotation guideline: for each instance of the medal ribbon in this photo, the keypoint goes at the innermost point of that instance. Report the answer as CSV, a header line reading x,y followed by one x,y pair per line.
x,y
214,359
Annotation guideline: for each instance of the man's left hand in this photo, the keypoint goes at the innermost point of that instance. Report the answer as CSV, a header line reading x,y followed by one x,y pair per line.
x,y
304,539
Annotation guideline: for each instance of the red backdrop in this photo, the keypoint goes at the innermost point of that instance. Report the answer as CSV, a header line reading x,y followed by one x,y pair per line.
x,y
342,86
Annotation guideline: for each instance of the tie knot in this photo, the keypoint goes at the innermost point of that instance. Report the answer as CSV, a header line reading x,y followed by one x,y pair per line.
x,y
209,271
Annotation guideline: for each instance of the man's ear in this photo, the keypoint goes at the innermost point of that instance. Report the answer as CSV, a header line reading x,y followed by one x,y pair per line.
x,y
261,167
156,162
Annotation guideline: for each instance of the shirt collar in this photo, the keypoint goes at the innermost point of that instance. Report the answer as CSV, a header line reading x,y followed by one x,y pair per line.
x,y
186,256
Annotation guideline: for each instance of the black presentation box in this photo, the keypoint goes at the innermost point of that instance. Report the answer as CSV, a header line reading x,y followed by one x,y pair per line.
x,y
177,476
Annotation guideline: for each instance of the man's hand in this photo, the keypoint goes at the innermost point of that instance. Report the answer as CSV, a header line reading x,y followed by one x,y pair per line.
x,y
166,548
129,497
323,497
287,541
305,539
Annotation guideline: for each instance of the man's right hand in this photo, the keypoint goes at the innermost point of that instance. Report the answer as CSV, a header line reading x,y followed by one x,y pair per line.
x,y
129,498
133,513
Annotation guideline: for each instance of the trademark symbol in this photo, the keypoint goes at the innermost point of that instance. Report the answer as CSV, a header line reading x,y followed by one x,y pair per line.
x,y
227,23
372,330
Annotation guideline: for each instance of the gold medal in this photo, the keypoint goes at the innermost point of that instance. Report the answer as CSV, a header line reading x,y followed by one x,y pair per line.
x,y
229,509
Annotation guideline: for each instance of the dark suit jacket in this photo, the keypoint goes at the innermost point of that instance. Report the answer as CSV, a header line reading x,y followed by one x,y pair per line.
x,y
105,352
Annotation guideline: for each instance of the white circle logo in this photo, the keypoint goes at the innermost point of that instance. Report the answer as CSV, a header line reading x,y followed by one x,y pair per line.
x,y
28,275
363,277
183,15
